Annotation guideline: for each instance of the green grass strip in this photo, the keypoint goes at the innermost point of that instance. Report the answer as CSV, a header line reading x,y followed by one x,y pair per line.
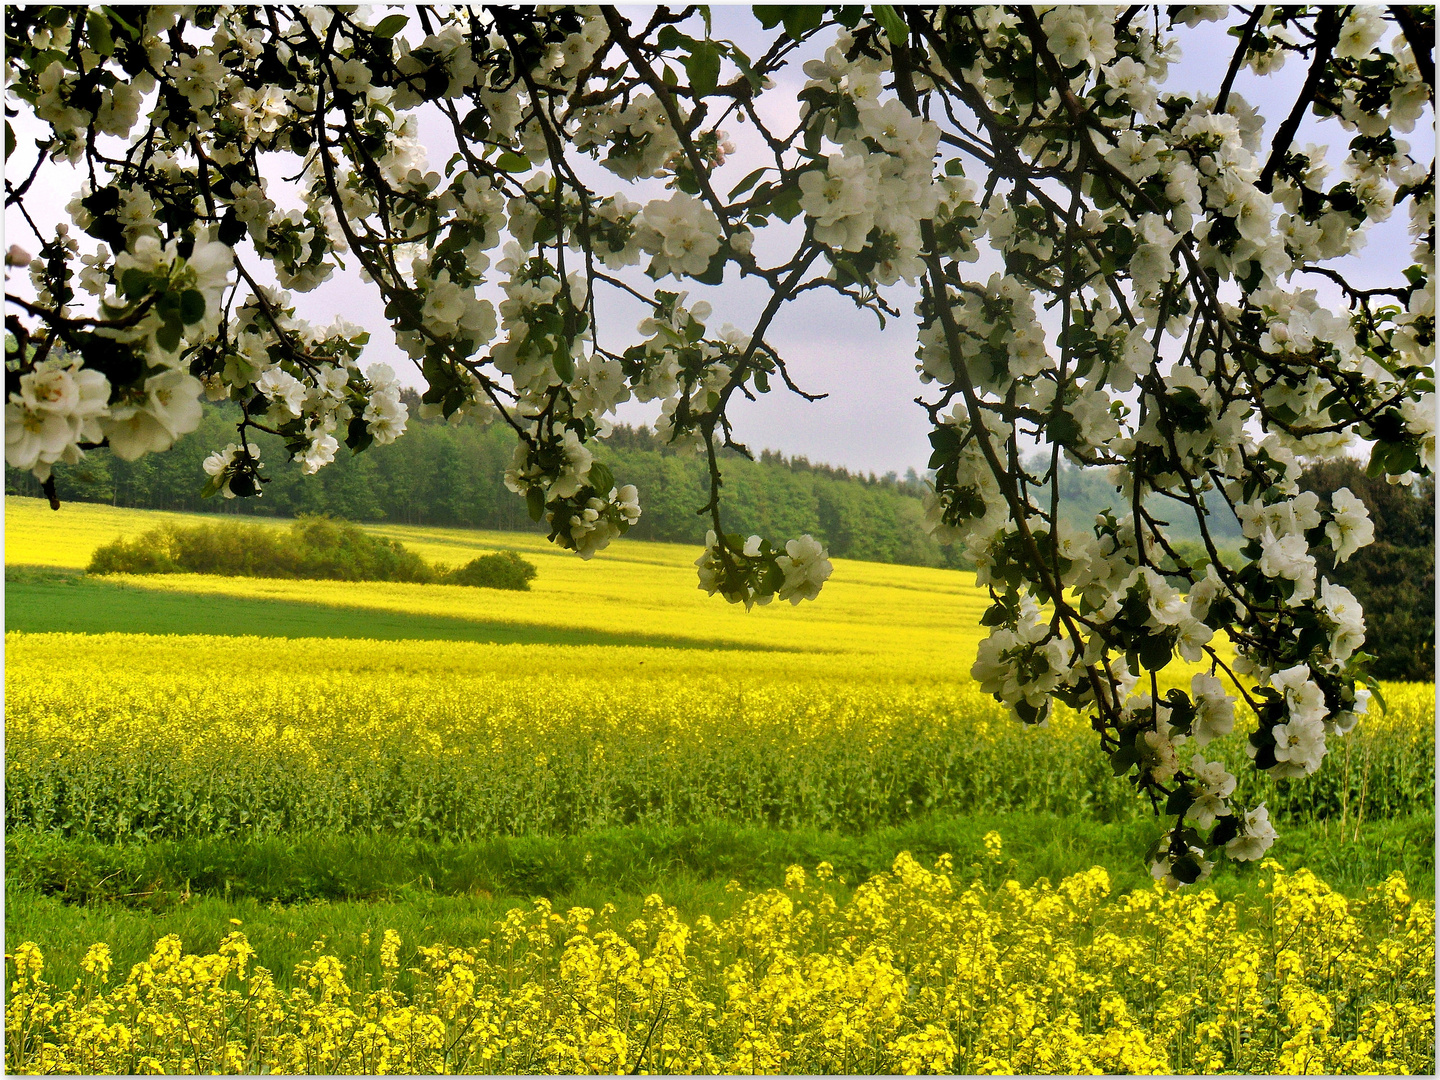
x,y
46,600
637,860
288,893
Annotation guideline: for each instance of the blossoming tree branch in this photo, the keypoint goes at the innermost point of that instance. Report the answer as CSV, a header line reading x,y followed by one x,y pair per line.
x,y
1152,305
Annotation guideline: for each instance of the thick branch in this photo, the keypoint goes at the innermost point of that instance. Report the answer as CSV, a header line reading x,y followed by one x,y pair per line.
x,y
1421,40
1327,36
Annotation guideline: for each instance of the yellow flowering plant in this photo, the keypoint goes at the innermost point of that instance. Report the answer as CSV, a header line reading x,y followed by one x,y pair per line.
x,y
916,973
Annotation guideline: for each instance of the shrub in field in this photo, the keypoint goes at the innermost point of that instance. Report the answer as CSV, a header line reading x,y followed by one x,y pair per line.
x,y
147,554
502,570
916,973
313,547
316,548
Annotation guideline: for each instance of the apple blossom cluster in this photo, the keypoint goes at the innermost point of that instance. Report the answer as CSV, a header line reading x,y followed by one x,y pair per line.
x,y
57,407
1163,291
759,573
866,201
155,302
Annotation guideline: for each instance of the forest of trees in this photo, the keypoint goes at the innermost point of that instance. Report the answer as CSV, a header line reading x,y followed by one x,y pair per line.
x,y
1394,577
442,474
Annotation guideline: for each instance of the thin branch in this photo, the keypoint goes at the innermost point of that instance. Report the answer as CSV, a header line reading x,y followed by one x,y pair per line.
x,y
1237,61
1421,40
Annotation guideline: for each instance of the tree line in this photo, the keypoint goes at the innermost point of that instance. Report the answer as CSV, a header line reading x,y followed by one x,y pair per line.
x,y
454,475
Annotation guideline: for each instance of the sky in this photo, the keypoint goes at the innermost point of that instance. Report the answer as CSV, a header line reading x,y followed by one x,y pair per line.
x,y
869,421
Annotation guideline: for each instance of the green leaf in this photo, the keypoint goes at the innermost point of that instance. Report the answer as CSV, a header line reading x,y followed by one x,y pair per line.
x,y
1123,759
563,361
391,25
740,188
945,438
1155,652
769,14
1251,281
714,273
192,306
1064,429
889,18
1185,870
134,282
1226,829
535,503
512,162
743,63
601,478
357,435
168,336
669,39
41,59
1179,801
703,67
101,40
231,230
802,18
1376,693
770,578
116,19
785,203
9,140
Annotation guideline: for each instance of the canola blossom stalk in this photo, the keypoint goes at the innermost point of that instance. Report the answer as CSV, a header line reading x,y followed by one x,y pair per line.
x,y
917,973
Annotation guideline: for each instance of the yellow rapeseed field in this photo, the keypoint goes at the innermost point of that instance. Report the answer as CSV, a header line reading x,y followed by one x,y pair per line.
x,y
915,616
914,974
122,736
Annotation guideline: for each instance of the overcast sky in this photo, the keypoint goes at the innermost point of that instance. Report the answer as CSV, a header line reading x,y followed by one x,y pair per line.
x,y
869,422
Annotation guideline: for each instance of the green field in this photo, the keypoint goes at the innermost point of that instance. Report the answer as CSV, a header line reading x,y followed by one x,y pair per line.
x,y
47,600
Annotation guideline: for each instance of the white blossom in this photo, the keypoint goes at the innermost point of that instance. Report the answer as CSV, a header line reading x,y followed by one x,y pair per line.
x,y
1214,709
682,234
1350,528
805,567
169,408
1214,785
1256,836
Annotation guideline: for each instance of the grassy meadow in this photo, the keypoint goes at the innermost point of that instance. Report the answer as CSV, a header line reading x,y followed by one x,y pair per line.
x,y
614,823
